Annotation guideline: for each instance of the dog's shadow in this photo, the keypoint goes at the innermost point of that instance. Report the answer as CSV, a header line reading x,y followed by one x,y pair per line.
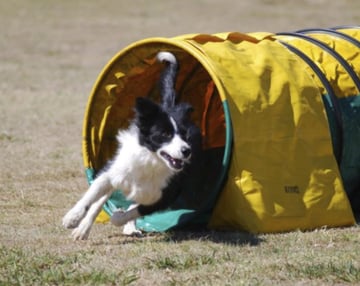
x,y
227,237
235,238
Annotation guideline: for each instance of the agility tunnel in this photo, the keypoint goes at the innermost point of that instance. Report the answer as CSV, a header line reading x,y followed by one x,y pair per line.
x,y
280,121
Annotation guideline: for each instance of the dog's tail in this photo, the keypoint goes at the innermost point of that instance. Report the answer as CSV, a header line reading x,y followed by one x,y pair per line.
x,y
168,78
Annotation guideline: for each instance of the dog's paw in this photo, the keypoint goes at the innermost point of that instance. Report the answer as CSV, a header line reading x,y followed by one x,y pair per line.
x,y
82,231
118,218
73,217
131,230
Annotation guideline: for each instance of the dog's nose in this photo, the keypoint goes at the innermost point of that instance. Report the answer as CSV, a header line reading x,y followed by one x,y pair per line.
x,y
186,151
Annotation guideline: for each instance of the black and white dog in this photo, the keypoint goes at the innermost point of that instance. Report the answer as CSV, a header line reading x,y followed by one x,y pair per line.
x,y
153,155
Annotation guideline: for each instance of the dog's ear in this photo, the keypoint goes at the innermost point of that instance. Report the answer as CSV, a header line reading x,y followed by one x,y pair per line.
x,y
144,107
184,110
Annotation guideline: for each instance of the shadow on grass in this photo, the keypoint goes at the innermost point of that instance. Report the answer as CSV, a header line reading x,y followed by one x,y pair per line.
x,y
357,218
226,237
235,238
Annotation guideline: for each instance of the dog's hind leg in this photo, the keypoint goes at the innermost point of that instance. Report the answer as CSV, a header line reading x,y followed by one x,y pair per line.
x,y
120,218
83,230
127,218
97,190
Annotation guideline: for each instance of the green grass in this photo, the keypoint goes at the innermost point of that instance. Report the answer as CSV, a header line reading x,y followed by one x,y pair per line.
x,y
182,258
343,272
181,263
19,267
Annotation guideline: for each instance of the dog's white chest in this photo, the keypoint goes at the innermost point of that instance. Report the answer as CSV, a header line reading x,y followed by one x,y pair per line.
x,y
138,173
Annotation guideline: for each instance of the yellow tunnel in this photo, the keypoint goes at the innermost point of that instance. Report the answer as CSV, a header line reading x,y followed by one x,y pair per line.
x,y
271,111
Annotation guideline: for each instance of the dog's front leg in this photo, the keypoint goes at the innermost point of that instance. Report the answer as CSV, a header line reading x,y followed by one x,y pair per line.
x,y
98,189
83,230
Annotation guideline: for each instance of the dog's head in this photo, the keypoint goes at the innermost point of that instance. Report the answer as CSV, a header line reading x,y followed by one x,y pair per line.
x,y
165,132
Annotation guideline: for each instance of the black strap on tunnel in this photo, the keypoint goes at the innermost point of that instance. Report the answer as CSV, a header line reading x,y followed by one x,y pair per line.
x,y
328,88
332,33
332,52
344,27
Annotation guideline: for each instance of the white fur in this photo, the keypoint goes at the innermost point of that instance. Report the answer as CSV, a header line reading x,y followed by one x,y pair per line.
x,y
120,218
166,56
139,173
135,170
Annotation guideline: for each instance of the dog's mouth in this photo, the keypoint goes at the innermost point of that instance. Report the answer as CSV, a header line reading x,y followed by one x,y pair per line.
x,y
174,163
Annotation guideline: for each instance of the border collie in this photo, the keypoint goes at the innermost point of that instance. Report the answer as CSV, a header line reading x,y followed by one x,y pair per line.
x,y
153,155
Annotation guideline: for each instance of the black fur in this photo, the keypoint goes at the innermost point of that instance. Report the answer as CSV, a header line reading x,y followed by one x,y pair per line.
x,y
155,127
154,124
167,84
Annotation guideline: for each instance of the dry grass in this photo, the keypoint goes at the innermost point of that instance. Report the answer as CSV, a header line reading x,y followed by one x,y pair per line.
x,y
50,55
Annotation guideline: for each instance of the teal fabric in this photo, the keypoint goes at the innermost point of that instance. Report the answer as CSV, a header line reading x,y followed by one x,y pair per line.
x,y
350,161
347,150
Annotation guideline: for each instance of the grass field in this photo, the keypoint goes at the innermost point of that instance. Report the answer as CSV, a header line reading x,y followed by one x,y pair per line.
x,y
50,55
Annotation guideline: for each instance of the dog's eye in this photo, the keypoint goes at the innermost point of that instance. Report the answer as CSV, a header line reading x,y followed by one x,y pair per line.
x,y
166,134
